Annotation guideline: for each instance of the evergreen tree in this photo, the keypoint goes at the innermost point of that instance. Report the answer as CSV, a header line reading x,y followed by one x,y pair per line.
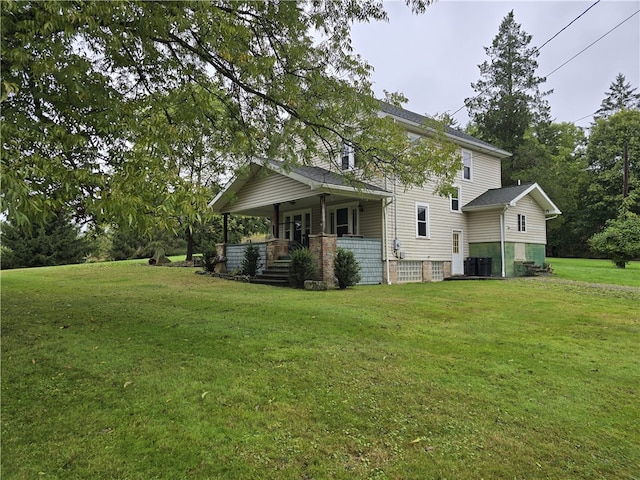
x,y
56,242
508,99
619,97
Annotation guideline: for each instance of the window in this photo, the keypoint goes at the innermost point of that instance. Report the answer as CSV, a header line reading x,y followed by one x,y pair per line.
x,y
455,200
422,220
522,223
466,162
349,159
344,220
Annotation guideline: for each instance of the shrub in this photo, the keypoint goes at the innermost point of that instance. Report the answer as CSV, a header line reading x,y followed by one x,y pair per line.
x,y
346,268
303,267
620,240
209,256
250,261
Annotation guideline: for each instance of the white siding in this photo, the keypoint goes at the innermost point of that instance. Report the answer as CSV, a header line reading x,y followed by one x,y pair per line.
x,y
267,189
442,222
486,174
484,226
536,227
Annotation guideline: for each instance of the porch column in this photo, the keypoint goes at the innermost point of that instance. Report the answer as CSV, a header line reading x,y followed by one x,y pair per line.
x,y
275,228
323,214
225,228
323,249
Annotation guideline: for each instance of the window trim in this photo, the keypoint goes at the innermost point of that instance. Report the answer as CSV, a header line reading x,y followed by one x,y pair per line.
x,y
522,223
353,213
464,166
458,198
427,220
348,152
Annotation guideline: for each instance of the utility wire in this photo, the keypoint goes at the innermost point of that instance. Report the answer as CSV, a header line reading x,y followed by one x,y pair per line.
x,y
593,43
540,47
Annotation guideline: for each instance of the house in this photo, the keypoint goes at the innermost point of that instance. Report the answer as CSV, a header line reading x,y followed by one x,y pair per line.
x,y
398,234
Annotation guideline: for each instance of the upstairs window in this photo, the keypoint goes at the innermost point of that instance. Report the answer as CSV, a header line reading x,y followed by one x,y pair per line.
x,y
466,162
522,223
349,159
455,200
422,220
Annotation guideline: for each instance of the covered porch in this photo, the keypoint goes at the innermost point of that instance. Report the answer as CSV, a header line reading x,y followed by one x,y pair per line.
x,y
311,207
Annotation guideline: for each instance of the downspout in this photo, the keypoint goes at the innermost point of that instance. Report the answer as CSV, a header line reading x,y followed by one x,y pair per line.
x,y
386,240
502,235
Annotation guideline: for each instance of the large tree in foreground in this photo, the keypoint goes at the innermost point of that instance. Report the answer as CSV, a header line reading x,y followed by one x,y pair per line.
x,y
508,98
101,100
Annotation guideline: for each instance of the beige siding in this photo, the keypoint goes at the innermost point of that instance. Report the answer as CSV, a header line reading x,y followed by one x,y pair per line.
x,y
484,226
485,175
268,189
535,223
371,219
442,222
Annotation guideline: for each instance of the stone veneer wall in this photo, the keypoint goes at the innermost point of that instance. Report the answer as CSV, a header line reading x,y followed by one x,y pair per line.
x,y
323,248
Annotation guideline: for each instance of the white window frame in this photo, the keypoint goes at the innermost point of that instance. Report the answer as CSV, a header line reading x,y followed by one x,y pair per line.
x,y
458,198
288,230
353,213
427,220
522,223
348,153
467,163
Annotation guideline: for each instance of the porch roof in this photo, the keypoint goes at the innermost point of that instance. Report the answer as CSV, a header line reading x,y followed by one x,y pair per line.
x,y
509,196
318,180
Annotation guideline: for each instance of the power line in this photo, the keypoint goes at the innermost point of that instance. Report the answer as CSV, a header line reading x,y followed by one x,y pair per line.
x,y
537,49
593,43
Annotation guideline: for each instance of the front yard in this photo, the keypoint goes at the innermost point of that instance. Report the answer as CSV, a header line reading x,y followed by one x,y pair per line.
x,y
128,371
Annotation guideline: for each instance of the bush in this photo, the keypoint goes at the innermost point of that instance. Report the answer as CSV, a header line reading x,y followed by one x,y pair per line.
x,y
620,240
250,261
209,256
346,268
303,267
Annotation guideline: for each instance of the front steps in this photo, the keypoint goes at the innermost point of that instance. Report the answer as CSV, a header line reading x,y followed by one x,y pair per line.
x,y
276,274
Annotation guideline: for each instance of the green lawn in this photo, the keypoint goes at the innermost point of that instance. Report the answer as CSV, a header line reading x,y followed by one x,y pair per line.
x,y
596,271
122,370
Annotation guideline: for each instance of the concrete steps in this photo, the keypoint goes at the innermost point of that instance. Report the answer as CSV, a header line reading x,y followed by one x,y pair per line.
x,y
276,274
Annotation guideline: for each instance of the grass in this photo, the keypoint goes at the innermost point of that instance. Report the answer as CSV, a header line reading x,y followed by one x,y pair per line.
x,y
596,271
127,371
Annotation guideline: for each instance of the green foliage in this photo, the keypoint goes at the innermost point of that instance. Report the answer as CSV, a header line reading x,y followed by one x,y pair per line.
x,y
601,195
303,267
129,112
619,97
508,99
620,240
57,242
346,268
251,260
130,244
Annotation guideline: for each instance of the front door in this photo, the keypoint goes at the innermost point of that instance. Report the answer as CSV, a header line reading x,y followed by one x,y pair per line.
x,y
457,258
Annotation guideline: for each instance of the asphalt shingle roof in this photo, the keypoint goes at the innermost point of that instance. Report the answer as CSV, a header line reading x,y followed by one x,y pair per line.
x,y
498,196
322,175
420,119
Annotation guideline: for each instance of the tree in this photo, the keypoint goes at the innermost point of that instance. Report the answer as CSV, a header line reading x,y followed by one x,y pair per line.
x,y
620,240
97,98
508,99
556,155
57,242
602,193
619,97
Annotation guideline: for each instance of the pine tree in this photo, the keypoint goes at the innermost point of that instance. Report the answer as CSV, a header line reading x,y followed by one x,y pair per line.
x,y
508,99
619,97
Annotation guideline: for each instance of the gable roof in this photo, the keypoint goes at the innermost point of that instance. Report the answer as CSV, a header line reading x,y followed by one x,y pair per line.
x,y
318,179
509,197
455,135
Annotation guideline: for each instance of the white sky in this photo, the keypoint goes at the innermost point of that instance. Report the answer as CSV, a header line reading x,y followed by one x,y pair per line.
x,y
433,58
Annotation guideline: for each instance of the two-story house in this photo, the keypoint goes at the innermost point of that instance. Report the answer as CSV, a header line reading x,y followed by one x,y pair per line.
x,y
398,234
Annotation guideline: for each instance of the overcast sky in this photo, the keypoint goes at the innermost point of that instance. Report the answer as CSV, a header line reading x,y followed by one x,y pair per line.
x,y
433,58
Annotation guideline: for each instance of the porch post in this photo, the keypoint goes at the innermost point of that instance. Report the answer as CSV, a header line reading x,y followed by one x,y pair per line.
x,y
323,214
275,228
225,227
